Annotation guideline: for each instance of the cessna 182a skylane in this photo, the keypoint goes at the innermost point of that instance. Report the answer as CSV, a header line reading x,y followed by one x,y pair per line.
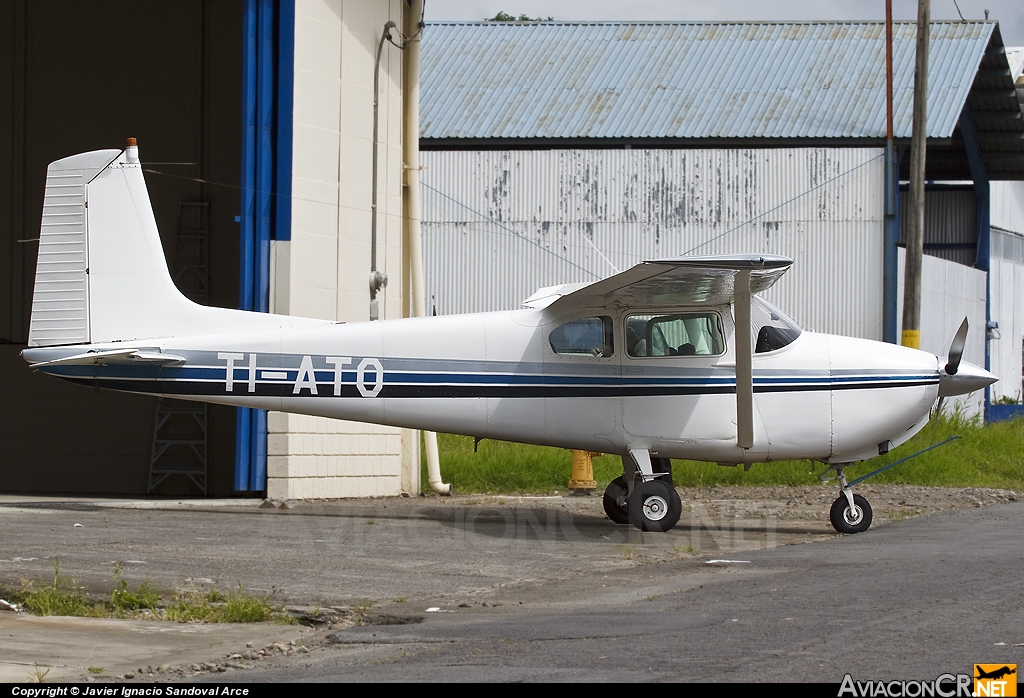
x,y
673,358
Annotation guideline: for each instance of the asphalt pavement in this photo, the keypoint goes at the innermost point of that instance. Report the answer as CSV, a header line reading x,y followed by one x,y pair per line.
x,y
518,589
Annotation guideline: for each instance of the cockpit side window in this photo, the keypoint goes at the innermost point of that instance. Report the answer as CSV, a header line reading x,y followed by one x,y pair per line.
x,y
677,334
772,327
589,336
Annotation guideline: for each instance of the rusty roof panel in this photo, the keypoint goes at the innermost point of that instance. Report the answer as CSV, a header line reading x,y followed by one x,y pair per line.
x,y
687,80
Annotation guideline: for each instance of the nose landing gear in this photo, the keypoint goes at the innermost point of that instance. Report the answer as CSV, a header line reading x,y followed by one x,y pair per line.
x,y
844,514
850,513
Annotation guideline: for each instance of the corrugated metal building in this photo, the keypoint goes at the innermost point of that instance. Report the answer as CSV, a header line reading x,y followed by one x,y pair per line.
x,y
698,80
500,224
561,152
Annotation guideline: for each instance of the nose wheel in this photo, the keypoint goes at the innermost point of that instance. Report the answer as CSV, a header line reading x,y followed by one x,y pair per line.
x,y
850,513
850,517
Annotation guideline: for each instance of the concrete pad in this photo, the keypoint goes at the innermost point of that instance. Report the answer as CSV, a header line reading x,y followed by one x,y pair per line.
x,y
65,648
496,555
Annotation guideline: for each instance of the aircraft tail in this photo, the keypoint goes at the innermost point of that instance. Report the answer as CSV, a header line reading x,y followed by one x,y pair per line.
x,y
101,275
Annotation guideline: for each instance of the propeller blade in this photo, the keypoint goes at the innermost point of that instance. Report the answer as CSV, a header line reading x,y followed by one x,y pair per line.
x,y
956,349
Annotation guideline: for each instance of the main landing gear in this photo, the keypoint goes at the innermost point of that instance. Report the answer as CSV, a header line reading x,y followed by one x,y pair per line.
x,y
850,513
644,496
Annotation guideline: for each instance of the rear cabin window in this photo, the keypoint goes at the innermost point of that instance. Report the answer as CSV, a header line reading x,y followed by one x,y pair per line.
x,y
589,336
678,334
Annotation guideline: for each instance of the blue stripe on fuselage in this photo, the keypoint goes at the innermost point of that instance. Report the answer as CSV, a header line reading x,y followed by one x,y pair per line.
x,y
604,379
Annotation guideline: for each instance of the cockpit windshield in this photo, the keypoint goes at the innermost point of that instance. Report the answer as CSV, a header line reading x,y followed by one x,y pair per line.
x,y
772,327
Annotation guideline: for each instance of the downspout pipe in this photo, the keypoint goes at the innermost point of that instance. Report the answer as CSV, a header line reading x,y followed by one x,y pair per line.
x,y
983,228
411,104
378,280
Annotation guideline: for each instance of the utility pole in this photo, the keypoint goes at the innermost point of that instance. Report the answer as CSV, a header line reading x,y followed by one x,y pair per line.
x,y
911,336
892,183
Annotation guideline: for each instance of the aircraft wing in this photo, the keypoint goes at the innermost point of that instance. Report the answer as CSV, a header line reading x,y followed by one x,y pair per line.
x,y
666,282
711,280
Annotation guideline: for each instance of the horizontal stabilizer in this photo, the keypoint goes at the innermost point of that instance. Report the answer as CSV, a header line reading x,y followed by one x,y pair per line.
x,y
115,356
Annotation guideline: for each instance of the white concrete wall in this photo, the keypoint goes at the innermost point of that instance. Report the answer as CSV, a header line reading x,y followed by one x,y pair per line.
x,y
1007,207
1007,285
323,271
949,293
1007,288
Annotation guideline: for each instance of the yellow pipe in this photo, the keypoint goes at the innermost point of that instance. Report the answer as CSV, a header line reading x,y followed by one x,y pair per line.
x,y
582,481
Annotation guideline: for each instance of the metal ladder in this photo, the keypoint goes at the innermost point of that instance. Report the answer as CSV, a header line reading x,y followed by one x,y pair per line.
x,y
180,427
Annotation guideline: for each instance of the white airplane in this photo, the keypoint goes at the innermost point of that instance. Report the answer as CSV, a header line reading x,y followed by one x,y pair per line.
x,y
673,358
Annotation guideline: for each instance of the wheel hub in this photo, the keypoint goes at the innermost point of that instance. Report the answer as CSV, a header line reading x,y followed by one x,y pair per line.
x,y
655,508
853,516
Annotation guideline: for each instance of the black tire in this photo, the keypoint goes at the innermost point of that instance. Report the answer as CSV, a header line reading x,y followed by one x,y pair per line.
x,y
845,521
615,493
654,506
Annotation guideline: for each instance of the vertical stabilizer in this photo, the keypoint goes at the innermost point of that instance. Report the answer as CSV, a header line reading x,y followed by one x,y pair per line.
x,y
101,275
131,294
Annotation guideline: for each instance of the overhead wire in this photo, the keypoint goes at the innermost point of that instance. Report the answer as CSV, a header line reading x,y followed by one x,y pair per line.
x,y
406,40
520,236
507,230
784,203
515,233
334,204
739,226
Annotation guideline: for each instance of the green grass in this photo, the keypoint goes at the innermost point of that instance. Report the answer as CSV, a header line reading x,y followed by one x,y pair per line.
x,y
501,467
990,456
126,603
237,606
64,597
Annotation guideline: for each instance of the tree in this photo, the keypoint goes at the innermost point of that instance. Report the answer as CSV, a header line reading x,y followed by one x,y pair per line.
x,y
506,17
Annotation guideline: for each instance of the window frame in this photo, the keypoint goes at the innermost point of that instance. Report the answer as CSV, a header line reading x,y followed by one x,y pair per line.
x,y
789,322
561,322
675,312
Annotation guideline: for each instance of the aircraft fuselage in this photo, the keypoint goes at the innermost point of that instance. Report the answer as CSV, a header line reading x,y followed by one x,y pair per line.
x,y
497,375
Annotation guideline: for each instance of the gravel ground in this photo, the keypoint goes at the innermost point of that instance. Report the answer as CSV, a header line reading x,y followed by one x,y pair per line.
x,y
786,504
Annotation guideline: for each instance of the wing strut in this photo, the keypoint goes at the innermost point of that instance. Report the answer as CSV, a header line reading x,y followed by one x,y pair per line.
x,y
744,371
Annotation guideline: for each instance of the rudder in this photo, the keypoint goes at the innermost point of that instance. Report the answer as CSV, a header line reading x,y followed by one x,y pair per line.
x,y
60,297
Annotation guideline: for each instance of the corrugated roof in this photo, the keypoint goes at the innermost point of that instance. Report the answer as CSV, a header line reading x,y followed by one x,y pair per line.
x,y
489,80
